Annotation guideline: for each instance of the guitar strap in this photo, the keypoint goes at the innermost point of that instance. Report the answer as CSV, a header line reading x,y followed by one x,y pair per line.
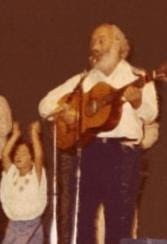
x,y
82,79
78,87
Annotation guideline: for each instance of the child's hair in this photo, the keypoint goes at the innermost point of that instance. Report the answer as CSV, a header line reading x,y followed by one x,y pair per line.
x,y
18,144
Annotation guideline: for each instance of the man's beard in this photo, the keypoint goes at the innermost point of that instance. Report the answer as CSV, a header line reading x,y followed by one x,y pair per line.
x,y
106,62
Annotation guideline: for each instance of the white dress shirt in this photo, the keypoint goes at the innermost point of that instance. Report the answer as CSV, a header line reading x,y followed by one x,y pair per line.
x,y
132,120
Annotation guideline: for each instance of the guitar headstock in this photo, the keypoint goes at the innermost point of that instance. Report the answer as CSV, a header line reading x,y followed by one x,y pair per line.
x,y
160,73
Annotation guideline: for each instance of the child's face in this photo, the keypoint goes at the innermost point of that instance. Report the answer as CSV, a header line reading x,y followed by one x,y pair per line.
x,y
22,158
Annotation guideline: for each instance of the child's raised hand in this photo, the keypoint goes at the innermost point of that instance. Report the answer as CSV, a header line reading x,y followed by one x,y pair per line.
x,y
35,127
16,129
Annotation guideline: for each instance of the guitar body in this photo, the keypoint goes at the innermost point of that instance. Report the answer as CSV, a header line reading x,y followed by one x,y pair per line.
x,y
67,134
66,137
97,93
105,118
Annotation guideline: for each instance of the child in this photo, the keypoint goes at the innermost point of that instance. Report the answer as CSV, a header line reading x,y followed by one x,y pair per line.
x,y
23,189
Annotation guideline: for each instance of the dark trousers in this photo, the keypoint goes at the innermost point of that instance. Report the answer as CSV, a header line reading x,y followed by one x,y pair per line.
x,y
110,175
66,186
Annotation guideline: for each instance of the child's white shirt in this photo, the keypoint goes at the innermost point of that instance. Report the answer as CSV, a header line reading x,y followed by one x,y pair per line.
x,y
23,197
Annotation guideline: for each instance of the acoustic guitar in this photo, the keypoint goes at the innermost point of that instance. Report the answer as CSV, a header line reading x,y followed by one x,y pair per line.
x,y
100,109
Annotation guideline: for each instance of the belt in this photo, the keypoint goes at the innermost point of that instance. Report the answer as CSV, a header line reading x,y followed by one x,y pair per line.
x,y
124,142
119,139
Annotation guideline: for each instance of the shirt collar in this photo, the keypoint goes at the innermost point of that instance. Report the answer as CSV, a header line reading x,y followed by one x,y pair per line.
x,y
121,76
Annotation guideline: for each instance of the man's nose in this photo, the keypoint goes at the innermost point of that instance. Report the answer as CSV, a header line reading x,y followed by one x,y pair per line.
x,y
96,47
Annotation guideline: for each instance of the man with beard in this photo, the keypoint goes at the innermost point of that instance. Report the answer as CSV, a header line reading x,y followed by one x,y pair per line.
x,y
110,164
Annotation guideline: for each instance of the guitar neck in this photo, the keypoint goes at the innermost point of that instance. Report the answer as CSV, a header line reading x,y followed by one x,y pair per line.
x,y
155,75
117,93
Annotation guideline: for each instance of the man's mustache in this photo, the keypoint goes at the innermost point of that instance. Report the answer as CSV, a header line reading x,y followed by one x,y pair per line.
x,y
94,57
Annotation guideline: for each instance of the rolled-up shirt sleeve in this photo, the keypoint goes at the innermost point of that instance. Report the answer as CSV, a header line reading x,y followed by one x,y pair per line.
x,y
49,103
148,111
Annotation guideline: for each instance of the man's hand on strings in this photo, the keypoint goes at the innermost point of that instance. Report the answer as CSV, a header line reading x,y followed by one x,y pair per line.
x,y
66,113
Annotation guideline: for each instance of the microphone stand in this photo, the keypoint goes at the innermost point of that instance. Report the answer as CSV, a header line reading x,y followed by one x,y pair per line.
x,y
76,209
53,230
79,155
